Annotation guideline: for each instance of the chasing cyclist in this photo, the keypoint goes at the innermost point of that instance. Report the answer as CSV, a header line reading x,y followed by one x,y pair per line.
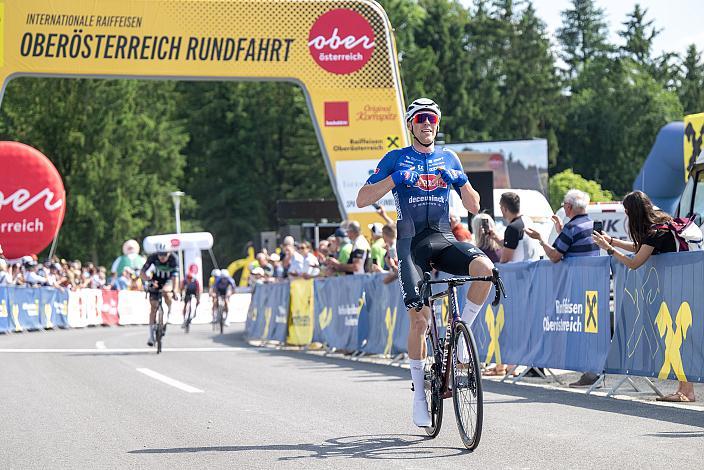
x,y
189,290
223,286
420,178
161,268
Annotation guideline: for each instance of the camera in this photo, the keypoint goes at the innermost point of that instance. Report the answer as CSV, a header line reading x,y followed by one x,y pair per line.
x,y
598,226
485,225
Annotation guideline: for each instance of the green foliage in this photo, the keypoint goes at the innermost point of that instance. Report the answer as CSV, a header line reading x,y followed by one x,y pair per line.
x,y
691,92
639,35
565,180
583,35
611,121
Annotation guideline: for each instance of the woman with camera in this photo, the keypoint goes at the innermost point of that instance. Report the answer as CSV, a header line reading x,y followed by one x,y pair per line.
x,y
647,240
482,226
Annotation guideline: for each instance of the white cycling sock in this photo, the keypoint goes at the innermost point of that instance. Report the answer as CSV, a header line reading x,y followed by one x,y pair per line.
x,y
418,377
470,312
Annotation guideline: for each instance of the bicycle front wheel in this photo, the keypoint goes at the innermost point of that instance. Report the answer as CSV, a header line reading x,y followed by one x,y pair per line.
x,y
159,329
467,386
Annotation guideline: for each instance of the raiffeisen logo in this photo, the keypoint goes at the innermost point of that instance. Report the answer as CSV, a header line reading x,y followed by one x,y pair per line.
x,y
341,41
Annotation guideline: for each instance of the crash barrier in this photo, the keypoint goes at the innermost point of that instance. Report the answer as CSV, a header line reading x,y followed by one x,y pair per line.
x,y
555,316
26,308
659,311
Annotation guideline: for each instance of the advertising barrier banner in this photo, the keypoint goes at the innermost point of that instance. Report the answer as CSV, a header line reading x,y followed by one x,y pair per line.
x,y
659,318
383,309
109,307
267,316
300,325
556,315
5,307
338,304
27,308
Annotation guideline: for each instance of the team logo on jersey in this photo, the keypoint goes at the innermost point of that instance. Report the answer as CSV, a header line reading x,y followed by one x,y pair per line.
x,y
430,182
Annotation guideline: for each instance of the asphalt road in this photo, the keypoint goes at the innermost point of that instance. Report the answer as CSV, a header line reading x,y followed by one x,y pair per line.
x,y
98,398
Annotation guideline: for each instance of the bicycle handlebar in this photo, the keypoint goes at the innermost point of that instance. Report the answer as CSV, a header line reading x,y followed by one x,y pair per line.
x,y
495,279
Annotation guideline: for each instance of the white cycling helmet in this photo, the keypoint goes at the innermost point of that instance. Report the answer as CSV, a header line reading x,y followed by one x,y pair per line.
x,y
422,104
216,273
160,248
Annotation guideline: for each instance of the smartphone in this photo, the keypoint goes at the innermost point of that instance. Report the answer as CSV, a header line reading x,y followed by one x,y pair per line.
x,y
485,225
376,206
598,226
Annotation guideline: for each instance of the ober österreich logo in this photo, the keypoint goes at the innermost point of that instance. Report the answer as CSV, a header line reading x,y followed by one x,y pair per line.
x,y
341,41
32,200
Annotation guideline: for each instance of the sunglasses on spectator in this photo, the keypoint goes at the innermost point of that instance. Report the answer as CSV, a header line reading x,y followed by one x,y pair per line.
x,y
422,117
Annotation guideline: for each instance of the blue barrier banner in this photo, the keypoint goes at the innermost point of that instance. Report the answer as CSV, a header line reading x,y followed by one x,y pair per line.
x,y
659,318
268,312
254,326
24,308
53,307
556,315
338,304
5,324
383,309
276,306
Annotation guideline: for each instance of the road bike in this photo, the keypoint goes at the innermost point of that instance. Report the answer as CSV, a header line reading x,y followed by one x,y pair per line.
x,y
221,313
190,313
160,327
453,368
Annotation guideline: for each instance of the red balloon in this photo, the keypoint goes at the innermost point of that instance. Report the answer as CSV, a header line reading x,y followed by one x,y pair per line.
x,y
32,200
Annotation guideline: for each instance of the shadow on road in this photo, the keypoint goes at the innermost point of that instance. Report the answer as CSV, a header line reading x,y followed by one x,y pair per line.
x,y
384,446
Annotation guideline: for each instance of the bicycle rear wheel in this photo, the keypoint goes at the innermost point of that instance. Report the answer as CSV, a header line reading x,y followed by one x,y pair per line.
x,y
467,386
189,315
221,318
433,394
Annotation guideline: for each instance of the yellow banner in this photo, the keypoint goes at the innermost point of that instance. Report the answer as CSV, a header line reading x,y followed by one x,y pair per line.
x,y
693,136
341,53
301,314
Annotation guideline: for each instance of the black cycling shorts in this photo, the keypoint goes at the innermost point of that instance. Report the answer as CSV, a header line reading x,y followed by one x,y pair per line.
x,y
427,250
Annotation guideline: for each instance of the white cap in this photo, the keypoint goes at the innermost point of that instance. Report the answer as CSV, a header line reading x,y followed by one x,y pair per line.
x,y
376,228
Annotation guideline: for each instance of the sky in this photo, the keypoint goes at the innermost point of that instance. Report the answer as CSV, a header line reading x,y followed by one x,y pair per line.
x,y
681,21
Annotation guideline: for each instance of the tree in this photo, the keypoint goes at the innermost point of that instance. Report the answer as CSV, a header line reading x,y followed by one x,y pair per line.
x,y
117,146
691,91
639,35
583,35
566,180
612,120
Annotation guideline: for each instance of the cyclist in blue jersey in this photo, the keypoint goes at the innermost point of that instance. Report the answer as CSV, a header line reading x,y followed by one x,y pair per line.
x,y
420,178
223,286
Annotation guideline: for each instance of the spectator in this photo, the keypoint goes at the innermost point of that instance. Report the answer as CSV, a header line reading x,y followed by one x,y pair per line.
x,y
304,263
378,246
123,281
391,258
322,252
263,262
359,260
459,230
344,245
31,277
647,240
287,252
5,276
574,239
482,225
2,253
130,258
278,268
516,246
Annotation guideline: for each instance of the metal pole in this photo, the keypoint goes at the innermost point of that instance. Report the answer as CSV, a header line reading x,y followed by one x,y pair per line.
x,y
176,196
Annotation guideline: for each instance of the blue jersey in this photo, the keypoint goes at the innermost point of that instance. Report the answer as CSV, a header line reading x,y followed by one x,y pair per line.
x,y
223,282
426,204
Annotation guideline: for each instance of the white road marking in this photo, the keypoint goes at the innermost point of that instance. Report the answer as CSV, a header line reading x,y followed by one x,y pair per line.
x,y
100,345
118,350
168,380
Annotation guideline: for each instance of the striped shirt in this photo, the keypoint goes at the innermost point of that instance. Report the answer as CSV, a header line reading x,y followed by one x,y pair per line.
x,y
576,238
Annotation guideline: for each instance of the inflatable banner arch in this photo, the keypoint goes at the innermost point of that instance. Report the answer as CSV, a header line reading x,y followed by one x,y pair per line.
x,y
342,54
